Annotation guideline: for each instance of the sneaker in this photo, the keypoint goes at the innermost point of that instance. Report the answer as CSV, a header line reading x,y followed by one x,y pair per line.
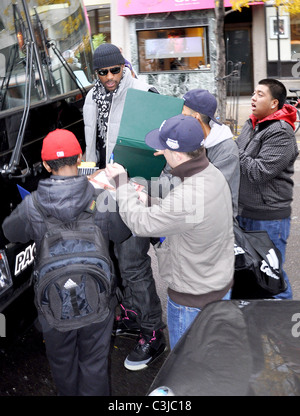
x,y
148,348
126,327
126,323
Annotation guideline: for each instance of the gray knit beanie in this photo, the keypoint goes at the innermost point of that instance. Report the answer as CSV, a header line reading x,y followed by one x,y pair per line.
x,y
107,55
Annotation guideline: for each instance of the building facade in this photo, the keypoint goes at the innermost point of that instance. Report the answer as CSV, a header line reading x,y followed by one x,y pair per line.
x,y
172,44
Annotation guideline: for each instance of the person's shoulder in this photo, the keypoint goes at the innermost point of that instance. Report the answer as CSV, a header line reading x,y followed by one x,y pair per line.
x,y
138,84
230,144
224,149
89,96
278,128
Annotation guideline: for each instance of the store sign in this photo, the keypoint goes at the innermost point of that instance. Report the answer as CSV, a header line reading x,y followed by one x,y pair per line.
x,y
130,7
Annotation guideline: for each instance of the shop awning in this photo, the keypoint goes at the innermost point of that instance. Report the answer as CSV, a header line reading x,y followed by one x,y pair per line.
x,y
131,7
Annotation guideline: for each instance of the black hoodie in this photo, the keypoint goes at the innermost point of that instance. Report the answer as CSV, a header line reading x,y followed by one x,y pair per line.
x,y
64,198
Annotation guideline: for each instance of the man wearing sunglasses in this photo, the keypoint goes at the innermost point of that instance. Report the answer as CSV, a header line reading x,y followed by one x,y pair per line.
x,y
102,112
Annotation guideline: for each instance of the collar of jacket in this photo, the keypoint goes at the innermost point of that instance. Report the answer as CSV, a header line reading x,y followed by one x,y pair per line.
x,y
191,167
287,113
63,178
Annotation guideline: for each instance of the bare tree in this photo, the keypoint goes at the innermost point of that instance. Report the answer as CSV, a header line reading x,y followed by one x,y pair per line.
x,y
221,58
220,14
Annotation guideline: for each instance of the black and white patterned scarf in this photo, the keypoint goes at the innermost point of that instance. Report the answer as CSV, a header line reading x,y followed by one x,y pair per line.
x,y
103,100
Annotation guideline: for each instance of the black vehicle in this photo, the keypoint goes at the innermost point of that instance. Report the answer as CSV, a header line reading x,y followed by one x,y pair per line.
x,y
45,72
236,348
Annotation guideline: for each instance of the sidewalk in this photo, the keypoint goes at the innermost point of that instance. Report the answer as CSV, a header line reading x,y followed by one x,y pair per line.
x,y
244,111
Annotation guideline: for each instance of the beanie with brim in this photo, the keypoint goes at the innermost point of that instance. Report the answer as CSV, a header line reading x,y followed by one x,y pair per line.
x,y
107,55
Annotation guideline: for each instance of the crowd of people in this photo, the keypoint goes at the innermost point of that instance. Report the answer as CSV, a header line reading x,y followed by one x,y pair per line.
x,y
217,180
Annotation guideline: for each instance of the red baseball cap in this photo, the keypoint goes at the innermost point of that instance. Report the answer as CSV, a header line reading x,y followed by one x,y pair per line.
x,y
60,143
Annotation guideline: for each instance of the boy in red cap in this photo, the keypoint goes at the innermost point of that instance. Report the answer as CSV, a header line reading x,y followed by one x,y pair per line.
x,y
78,358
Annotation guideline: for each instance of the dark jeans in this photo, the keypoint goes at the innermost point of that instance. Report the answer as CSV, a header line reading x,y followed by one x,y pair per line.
x,y
79,359
137,279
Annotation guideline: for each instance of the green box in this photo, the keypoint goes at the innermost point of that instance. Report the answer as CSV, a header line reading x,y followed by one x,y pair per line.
x,y
143,112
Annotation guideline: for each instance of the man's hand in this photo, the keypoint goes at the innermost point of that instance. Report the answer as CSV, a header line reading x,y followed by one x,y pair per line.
x,y
159,153
113,170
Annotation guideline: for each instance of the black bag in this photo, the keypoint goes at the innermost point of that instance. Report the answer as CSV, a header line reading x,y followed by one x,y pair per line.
x,y
74,279
258,266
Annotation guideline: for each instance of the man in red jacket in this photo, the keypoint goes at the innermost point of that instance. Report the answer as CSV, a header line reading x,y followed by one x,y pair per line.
x,y
268,150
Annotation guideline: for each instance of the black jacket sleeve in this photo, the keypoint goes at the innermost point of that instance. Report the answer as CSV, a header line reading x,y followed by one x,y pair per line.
x,y
109,220
16,227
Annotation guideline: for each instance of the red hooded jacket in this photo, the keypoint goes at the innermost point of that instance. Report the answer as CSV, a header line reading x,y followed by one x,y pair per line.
x,y
287,113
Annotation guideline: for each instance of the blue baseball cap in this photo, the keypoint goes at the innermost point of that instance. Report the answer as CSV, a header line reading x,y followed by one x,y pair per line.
x,y
179,133
201,101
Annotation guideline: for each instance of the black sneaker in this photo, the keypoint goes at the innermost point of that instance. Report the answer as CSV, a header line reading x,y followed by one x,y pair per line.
x,y
126,323
126,327
148,347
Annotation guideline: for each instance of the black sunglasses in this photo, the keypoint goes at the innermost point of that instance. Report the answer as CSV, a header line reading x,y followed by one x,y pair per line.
x,y
115,70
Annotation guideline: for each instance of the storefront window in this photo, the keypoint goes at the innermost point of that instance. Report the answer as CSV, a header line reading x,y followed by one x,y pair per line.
x,y
100,24
181,49
295,33
283,41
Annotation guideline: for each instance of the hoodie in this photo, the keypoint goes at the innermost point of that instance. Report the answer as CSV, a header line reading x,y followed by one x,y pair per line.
x,y
287,113
63,198
222,152
268,150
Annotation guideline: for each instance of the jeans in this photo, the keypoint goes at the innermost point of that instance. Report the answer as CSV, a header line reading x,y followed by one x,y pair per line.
x,y
181,317
278,231
140,293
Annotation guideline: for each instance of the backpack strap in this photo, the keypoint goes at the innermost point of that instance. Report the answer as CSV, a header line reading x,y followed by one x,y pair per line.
x,y
40,209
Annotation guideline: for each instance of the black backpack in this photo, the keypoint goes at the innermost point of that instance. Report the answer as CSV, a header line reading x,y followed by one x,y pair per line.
x,y
258,266
74,279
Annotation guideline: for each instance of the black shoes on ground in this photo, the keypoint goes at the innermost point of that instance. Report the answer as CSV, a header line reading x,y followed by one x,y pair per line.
x,y
126,324
149,346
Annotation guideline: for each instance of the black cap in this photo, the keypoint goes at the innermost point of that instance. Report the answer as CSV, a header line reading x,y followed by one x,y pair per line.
x,y
107,55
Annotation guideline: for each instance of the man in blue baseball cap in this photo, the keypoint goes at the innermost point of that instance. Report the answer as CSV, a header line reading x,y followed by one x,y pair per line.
x,y
221,149
197,256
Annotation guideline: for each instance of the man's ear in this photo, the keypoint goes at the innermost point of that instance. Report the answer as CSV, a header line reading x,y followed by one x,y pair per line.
x,y
275,103
197,116
178,156
79,159
46,166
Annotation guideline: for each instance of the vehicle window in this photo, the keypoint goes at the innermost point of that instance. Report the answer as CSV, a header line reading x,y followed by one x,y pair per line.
x,y
43,51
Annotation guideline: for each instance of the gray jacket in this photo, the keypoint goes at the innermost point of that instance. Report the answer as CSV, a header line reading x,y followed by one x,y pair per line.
x,y
90,116
222,152
197,256
267,155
